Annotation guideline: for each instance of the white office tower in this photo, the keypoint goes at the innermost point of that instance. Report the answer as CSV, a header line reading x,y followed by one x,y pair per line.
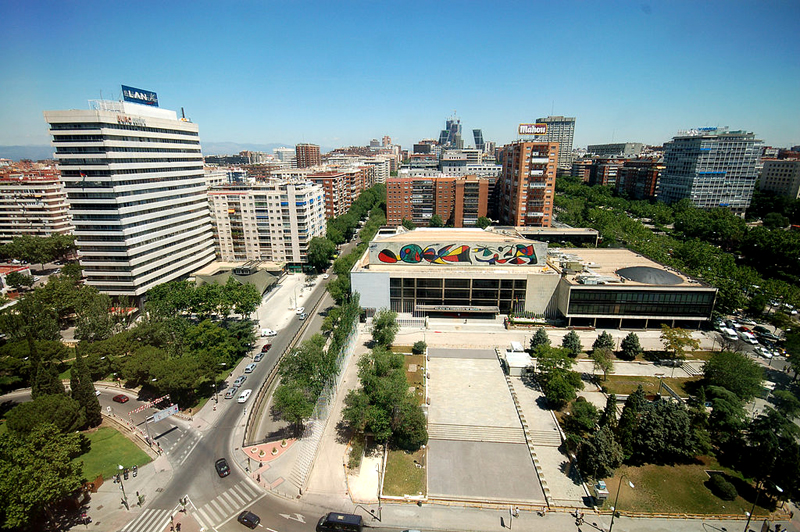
x,y
714,167
134,179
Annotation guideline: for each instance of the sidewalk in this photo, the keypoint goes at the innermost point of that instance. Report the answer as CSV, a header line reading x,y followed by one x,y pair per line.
x,y
105,507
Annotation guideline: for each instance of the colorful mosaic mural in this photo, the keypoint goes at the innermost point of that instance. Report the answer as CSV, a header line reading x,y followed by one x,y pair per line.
x,y
454,253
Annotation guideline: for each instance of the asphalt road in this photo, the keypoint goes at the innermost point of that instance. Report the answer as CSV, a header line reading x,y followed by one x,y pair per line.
x,y
217,501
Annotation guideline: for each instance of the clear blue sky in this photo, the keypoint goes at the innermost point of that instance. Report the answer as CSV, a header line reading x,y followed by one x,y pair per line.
x,y
340,73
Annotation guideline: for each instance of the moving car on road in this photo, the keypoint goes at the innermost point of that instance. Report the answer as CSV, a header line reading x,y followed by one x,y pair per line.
x,y
223,470
245,396
121,398
249,519
336,522
268,332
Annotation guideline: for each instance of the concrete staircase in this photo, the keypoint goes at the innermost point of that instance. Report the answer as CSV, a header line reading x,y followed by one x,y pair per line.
x,y
693,369
447,431
544,438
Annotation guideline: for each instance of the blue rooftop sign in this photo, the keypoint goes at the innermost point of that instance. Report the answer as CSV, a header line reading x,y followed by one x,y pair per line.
x,y
131,94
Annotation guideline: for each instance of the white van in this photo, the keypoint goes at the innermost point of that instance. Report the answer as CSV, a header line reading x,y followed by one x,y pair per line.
x,y
245,396
250,368
730,334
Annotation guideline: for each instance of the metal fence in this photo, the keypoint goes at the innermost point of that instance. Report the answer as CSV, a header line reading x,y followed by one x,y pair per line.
x,y
315,426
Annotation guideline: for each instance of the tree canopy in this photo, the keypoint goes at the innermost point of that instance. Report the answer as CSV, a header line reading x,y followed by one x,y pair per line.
x,y
734,372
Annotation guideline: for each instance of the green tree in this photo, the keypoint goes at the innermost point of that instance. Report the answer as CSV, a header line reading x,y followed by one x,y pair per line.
x,y
320,253
572,343
734,372
384,327
36,473
419,347
677,341
408,224
786,403
136,366
46,381
727,415
95,319
561,388
483,222
435,221
600,455
603,361
409,426
57,409
608,418
631,348
581,418
18,280
664,434
629,420
604,341
83,391
539,339
775,220
293,403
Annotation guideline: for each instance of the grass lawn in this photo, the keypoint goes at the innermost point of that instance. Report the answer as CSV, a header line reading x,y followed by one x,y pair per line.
x,y
415,377
405,349
402,476
627,384
678,489
109,450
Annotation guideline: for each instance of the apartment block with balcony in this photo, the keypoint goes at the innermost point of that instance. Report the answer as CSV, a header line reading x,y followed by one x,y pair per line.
x,y
32,202
272,221
459,201
527,184
134,180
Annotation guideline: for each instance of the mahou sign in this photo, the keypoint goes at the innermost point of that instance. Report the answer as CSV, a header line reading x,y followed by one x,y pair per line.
x,y
533,129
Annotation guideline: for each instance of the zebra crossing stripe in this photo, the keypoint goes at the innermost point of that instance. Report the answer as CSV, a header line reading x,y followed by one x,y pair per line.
x,y
203,519
226,499
217,506
149,520
210,510
248,489
235,493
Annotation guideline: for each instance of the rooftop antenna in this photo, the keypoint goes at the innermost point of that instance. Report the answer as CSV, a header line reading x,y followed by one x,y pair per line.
x,y
183,115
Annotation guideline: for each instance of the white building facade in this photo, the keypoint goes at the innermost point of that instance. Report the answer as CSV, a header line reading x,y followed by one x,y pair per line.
x,y
135,184
274,221
33,206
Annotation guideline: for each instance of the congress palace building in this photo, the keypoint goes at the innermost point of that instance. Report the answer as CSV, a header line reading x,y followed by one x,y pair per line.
x,y
474,272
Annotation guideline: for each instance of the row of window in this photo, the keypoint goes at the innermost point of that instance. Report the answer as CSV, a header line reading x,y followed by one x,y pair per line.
x,y
107,125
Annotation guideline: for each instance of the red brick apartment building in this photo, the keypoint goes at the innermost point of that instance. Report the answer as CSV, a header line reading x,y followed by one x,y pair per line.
x,y
527,183
342,187
459,200
307,155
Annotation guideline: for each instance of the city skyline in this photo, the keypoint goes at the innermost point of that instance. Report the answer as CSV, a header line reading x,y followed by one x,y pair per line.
x,y
342,74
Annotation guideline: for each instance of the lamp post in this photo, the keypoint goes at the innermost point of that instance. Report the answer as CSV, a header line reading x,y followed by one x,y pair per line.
x,y
122,487
759,486
614,508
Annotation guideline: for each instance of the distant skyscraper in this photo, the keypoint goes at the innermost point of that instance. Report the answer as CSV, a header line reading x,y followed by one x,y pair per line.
x,y
478,135
286,155
307,155
714,167
527,184
560,129
450,136
133,175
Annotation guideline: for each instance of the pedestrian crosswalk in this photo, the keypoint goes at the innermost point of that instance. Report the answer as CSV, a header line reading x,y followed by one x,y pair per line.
x,y
227,504
150,520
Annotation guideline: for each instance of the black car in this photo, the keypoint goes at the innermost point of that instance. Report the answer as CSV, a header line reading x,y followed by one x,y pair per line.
x,y
248,519
222,467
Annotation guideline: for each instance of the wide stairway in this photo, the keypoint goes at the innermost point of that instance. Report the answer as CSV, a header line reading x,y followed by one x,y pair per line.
x,y
447,431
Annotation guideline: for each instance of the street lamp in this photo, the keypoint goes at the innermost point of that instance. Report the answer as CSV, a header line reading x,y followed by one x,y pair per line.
x,y
122,487
759,486
614,508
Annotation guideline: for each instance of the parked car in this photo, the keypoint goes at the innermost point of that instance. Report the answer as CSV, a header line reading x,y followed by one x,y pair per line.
x,y
268,332
748,337
222,467
303,316
300,310
249,519
250,368
258,357
240,380
265,348
121,398
763,351
729,334
325,276
245,396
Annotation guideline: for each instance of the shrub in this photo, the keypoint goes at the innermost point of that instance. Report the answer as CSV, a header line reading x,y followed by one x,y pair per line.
x,y
419,347
356,452
722,488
